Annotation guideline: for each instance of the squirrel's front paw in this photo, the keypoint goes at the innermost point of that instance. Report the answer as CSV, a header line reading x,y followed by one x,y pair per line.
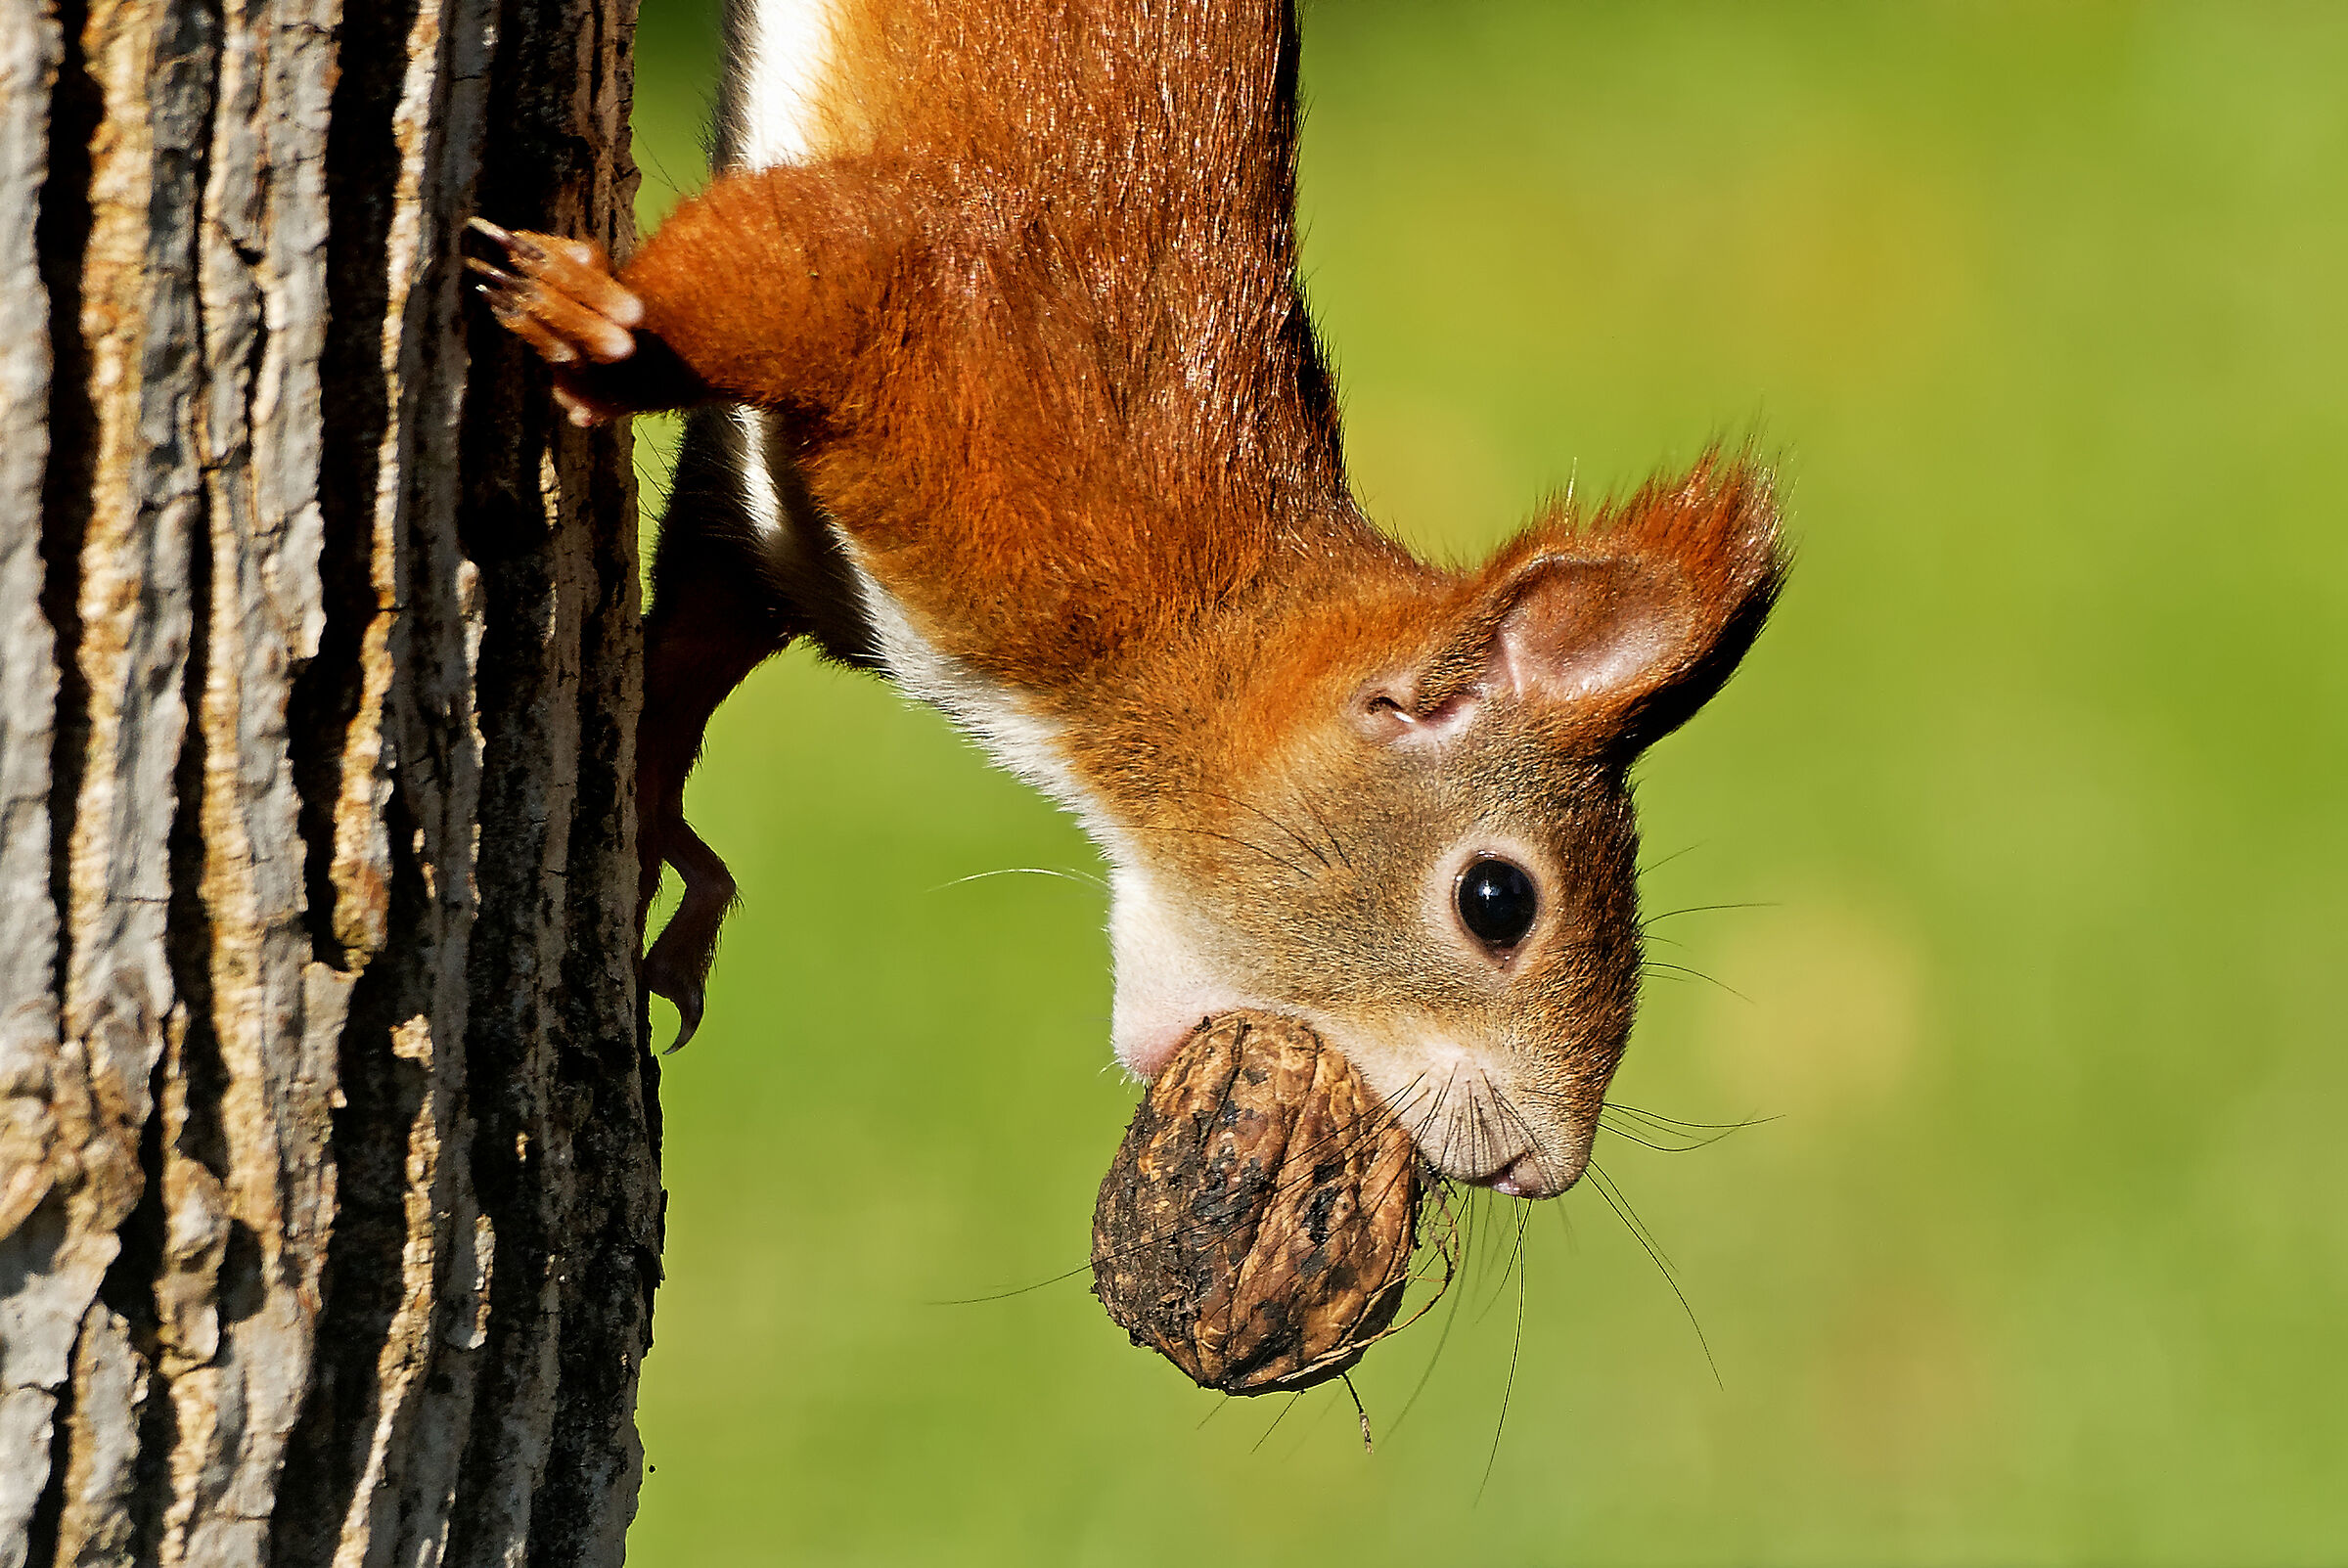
x,y
559,296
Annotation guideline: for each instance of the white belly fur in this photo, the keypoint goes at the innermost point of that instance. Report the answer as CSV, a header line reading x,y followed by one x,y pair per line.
x,y
1164,985
1021,740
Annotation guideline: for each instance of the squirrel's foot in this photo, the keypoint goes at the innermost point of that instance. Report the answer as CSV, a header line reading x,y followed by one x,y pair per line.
x,y
559,296
678,965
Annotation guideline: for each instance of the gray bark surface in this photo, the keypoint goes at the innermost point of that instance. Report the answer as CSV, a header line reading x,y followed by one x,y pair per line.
x,y
328,1195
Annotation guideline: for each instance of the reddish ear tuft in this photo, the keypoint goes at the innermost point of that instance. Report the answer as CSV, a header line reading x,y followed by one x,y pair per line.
x,y
1637,617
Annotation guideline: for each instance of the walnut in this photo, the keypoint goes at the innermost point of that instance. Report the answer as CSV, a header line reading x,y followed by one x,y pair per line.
x,y
1257,1224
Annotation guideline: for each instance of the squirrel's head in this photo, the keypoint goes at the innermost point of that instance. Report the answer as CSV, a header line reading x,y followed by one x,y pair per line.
x,y
1410,821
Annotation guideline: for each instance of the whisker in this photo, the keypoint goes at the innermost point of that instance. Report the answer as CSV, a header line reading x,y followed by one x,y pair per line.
x,y
1450,1318
1308,846
1336,845
1631,1218
1208,832
1656,865
1276,1420
1532,1139
1515,1256
1652,964
1481,1207
1606,1190
1086,1266
1646,1129
1661,1149
1701,1127
1305,1435
1434,1109
1303,843
1701,909
1024,871
1516,1348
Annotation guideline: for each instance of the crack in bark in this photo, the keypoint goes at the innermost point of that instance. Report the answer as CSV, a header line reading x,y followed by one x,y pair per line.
x,y
134,1523
41,1530
383,1096
62,240
362,166
334,716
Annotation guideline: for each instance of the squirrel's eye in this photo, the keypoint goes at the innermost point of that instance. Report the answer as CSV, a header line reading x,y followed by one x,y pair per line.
x,y
1496,902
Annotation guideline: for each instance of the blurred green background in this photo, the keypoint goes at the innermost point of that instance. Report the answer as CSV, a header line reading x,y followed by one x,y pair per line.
x,y
2033,791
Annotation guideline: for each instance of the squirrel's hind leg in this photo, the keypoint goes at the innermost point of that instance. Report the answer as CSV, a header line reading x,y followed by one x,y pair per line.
x,y
718,614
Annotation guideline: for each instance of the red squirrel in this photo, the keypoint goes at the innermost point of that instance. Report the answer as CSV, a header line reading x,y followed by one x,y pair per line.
x,y
1004,387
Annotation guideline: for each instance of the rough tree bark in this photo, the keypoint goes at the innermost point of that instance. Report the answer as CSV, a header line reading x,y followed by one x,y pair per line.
x,y
328,1202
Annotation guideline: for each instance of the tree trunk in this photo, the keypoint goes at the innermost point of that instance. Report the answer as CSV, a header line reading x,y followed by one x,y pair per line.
x,y
329,1203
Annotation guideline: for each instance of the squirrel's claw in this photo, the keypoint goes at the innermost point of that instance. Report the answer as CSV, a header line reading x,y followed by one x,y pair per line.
x,y
490,231
678,965
559,296
672,971
509,300
688,999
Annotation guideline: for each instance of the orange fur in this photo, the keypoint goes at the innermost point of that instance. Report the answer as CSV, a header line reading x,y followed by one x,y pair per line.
x,y
1035,327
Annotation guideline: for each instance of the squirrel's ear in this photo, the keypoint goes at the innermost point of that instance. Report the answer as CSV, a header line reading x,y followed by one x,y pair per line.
x,y
1631,622
1582,631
